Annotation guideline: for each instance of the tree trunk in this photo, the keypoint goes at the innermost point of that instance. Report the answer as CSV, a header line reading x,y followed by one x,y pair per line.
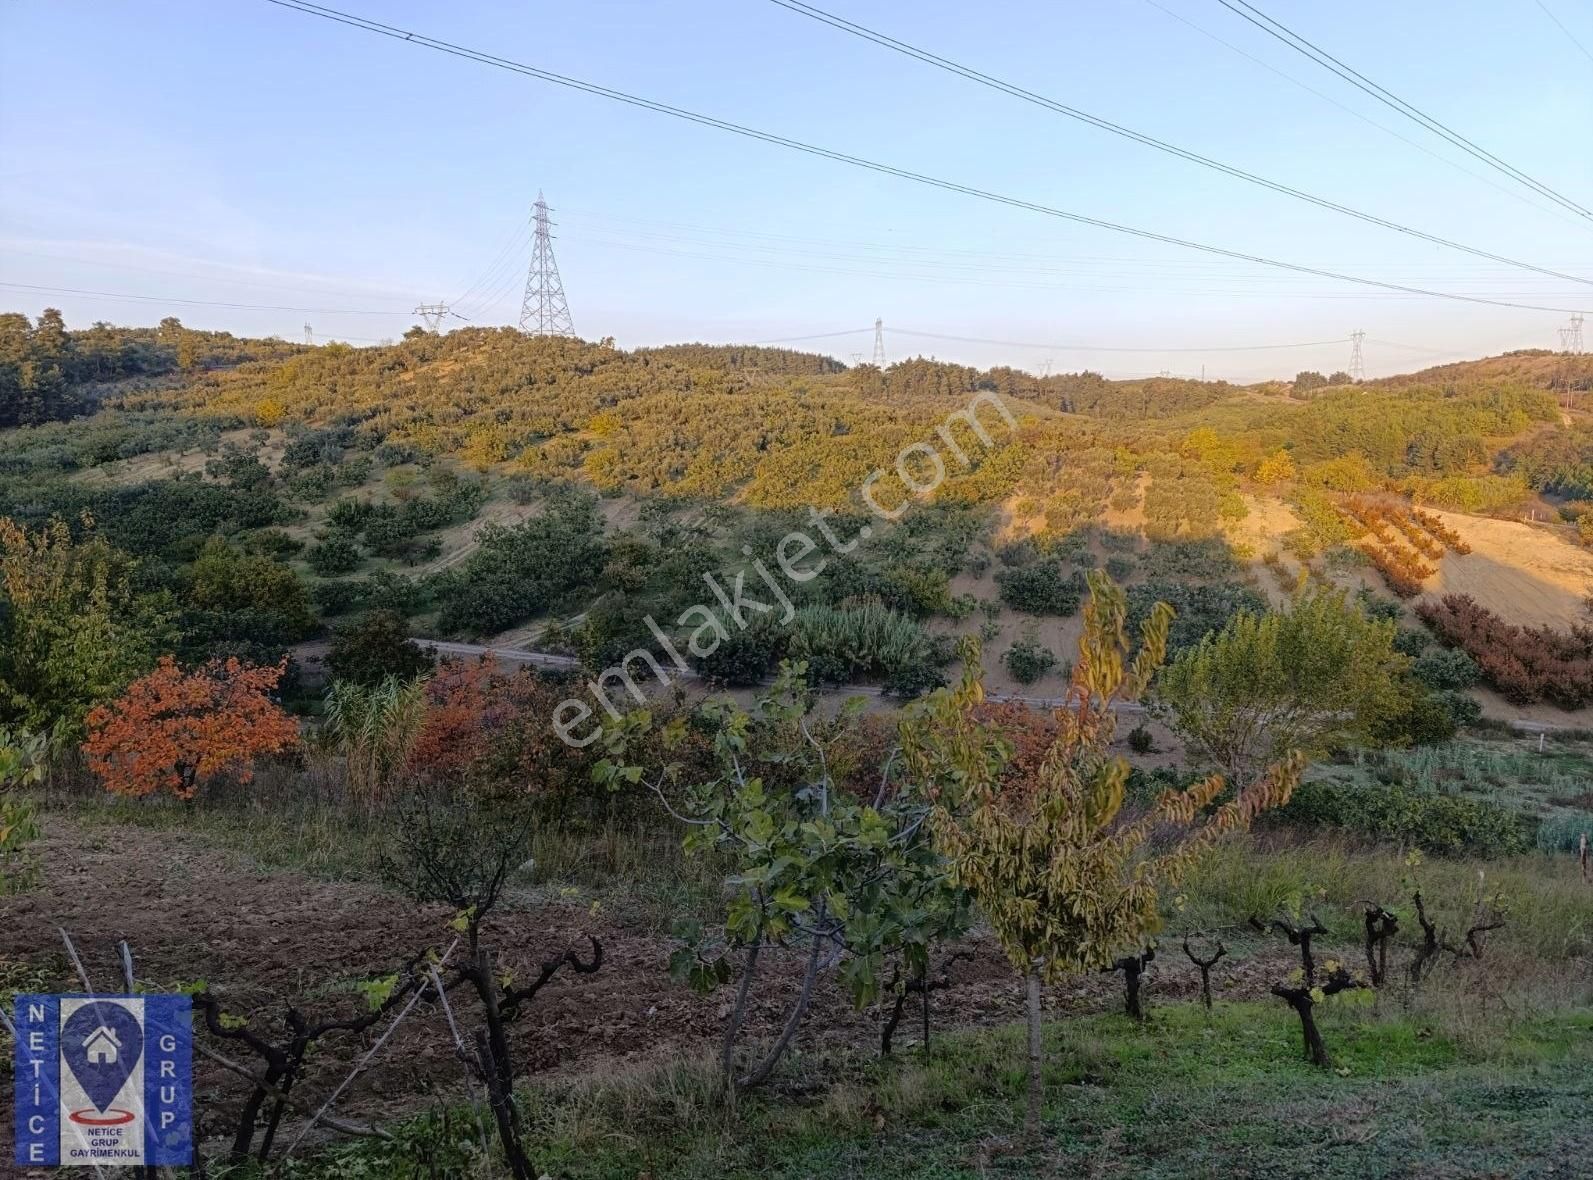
x,y
800,1009
248,1118
503,1111
738,1014
1304,1007
1131,1005
1031,1119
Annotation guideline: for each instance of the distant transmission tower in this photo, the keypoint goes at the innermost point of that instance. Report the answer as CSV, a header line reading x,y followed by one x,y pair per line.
x,y
544,311
1575,343
1357,364
309,334
434,314
879,344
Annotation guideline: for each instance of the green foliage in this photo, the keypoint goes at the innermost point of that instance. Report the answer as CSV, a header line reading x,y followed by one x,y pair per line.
x,y
73,630
1198,608
808,862
1446,668
843,644
375,647
23,758
374,726
1408,816
517,572
1040,588
1313,677
1028,660
335,555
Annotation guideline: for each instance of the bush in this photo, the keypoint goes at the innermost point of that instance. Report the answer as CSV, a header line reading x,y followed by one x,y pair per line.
x,y
1435,823
333,556
337,597
1140,740
376,647
1120,567
1198,609
1446,669
1041,589
843,644
1028,660
1526,664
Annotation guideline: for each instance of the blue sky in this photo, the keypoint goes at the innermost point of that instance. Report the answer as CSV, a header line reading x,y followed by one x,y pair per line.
x,y
243,153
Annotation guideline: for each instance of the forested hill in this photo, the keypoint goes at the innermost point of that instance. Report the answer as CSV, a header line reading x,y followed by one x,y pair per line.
x,y
49,374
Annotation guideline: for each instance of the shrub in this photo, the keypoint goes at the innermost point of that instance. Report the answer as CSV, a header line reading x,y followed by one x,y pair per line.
x,y
1435,823
1198,609
1119,567
1446,669
1028,660
1140,740
842,644
1041,589
333,556
1526,664
376,647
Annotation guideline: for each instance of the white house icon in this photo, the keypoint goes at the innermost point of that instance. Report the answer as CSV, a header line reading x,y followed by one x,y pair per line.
x,y
100,1046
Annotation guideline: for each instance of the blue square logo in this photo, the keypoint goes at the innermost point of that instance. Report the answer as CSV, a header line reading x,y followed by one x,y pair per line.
x,y
104,1081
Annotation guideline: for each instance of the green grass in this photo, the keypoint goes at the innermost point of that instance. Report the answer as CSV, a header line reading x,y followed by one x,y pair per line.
x,y
1187,1096
297,820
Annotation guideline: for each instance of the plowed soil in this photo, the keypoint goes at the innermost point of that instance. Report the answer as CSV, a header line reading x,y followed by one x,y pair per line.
x,y
261,940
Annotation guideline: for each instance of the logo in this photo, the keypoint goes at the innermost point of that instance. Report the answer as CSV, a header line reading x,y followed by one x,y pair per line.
x,y
104,1080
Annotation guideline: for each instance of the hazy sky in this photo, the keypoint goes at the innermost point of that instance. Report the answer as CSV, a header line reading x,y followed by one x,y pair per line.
x,y
243,153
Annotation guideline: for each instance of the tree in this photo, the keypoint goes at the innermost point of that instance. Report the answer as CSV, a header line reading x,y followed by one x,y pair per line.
x,y
175,730
459,847
23,759
1315,676
845,877
72,630
1065,882
1275,468
378,646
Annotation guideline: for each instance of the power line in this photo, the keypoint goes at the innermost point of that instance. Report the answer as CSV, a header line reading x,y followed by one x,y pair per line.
x,y
204,302
814,336
1328,62
1050,104
1054,347
432,43
1570,36
1512,193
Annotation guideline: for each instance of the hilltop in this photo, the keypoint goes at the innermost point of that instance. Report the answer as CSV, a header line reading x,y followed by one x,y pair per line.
x,y
491,486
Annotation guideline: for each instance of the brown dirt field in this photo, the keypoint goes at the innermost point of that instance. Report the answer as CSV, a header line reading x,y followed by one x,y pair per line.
x,y
1528,574
258,939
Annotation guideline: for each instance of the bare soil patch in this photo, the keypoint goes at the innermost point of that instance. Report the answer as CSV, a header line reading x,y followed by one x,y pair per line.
x,y
260,940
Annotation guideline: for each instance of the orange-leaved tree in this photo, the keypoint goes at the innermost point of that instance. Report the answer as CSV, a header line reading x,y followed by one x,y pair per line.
x,y
173,730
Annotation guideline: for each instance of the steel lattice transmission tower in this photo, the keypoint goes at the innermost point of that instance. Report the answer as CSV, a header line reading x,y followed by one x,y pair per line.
x,y
879,344
544,310
434,314
1574,335
1357,363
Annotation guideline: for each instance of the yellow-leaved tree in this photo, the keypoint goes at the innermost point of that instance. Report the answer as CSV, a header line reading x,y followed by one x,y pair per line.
x,y
1066,881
